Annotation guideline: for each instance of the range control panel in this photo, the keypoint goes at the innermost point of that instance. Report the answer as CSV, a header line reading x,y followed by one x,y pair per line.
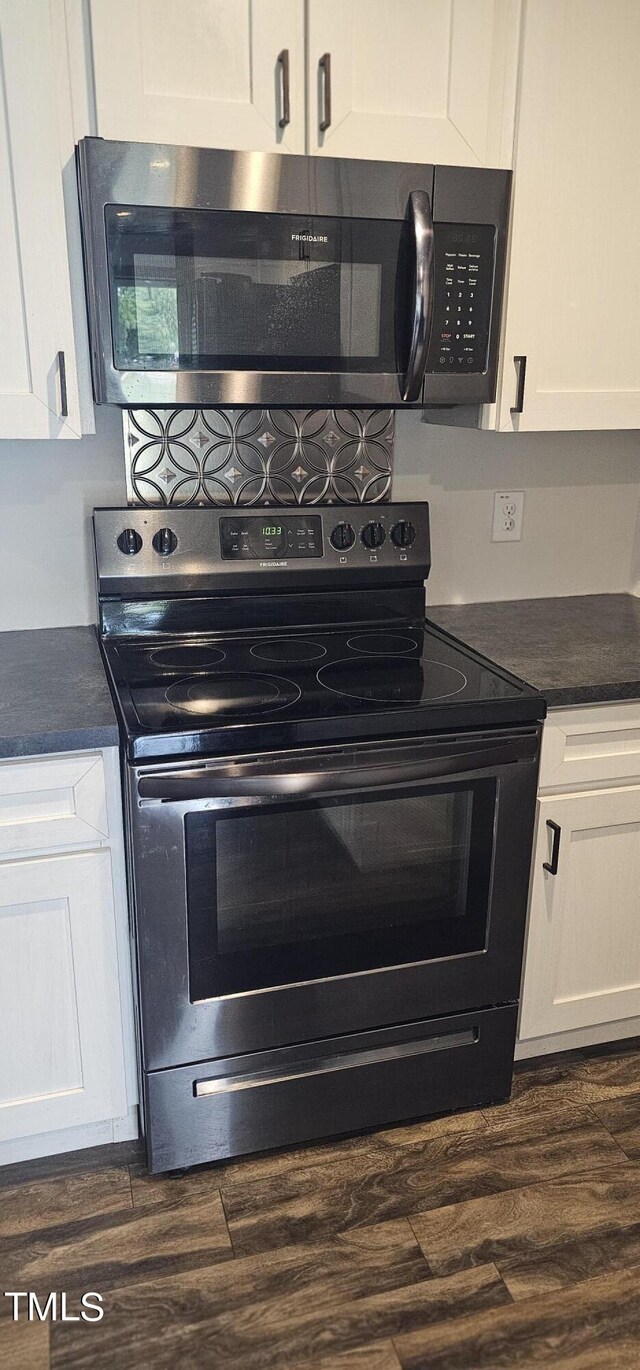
x,y
464,269
149,549
252,537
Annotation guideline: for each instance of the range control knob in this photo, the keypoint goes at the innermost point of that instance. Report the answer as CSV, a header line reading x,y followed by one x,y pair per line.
x,y
403,534
342,537
165,542
373,535
130,542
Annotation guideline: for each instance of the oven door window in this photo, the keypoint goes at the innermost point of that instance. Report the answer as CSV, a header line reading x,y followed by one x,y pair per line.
x,y
221,290
284,893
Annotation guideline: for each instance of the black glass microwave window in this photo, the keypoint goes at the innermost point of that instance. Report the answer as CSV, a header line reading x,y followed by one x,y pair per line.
x,y
294,892
229,290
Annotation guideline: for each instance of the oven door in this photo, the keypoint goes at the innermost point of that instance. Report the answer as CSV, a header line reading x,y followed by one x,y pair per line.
x,y
301,896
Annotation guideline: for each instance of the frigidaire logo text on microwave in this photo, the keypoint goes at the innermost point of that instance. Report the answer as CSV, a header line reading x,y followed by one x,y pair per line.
x,y
309,238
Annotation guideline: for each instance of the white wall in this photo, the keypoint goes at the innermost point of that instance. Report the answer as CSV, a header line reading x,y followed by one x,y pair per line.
x,y
582,497
581,506
48,490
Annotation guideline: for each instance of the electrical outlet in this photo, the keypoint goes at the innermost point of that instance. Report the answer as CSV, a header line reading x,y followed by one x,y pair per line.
x,y
507,516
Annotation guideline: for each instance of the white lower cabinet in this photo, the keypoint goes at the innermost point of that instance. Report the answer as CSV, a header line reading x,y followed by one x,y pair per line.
x,y
66,1019
582,961
58,1010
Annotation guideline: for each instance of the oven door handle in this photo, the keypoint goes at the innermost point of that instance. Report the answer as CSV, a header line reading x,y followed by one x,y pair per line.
x,y
181,788
422,224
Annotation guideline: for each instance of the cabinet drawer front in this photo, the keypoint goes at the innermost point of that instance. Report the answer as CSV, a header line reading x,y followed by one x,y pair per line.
x,y
52,803
588,746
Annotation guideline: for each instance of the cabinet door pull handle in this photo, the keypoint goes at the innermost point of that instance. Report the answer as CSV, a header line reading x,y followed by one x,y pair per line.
x,y
518,407
283,63
325,67
62,373
552,865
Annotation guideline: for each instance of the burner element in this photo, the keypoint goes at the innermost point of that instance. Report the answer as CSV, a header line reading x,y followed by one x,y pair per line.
x,y
397,682
186,658
382,644
226,695
288,649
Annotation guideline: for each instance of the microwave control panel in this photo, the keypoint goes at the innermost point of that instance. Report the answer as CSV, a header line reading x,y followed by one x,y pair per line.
x,y
464,269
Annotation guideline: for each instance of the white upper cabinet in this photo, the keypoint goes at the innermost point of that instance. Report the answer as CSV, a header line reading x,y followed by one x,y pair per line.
x,y
421,81
574,277
430,80
38,377
204,73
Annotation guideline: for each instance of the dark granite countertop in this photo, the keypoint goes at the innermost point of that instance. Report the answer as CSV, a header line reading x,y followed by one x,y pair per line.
x,y
578,649
54,695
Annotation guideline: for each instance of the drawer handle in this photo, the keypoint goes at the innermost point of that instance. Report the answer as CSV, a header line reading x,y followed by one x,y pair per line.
x,y
322,1065
552,865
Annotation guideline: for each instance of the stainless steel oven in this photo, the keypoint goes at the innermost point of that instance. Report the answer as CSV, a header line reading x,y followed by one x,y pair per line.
x,y
225,278
299,914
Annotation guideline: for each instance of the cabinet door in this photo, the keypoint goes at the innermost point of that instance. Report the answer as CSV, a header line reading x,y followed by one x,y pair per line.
x,y
37,367
583,944
204,73
60,1026
424,81
574,283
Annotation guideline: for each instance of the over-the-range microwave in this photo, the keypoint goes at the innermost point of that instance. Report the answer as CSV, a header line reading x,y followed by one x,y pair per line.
x,y
248,278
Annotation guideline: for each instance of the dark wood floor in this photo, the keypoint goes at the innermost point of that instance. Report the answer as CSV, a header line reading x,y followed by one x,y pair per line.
x,y
509,1237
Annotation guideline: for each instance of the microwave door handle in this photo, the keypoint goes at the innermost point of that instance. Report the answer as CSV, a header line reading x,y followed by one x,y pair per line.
x,y
422,224
183,788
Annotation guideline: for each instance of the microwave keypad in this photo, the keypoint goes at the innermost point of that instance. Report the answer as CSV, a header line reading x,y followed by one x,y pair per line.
x,y
464,257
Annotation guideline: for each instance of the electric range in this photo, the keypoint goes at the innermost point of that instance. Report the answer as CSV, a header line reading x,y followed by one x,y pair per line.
x,y
329,815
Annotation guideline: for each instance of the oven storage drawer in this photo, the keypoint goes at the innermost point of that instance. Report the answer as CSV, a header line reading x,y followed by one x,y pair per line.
x,y
212,1110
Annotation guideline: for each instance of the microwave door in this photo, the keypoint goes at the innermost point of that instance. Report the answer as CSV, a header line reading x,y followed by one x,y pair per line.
x,y
263,304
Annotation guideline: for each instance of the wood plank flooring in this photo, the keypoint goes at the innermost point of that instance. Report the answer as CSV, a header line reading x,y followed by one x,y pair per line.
x,y
508,1237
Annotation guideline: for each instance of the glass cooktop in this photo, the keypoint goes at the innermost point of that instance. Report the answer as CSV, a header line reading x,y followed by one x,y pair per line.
x,y
210,684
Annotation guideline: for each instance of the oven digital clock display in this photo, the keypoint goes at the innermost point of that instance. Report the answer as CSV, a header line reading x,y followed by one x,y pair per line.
x,y
247,538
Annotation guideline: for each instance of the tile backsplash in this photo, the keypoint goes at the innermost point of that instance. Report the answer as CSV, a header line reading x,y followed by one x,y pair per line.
x,y
258,456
